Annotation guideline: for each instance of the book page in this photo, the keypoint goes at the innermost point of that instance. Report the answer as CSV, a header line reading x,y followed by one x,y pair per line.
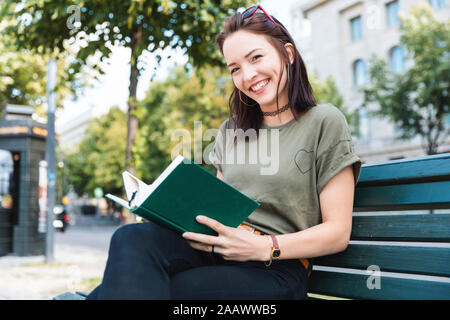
x,y
137,191
118,200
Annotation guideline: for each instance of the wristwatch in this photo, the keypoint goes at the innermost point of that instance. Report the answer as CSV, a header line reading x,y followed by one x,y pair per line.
x,y
275,253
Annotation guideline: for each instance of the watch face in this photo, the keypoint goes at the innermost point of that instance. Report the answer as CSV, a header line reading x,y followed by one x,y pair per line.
x,y
276,253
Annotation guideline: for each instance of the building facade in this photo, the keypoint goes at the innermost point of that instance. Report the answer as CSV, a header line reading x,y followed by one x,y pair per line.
x,y
71,131
343,34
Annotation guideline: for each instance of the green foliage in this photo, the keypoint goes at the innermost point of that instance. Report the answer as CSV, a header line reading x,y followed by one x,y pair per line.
x,y
23,75
45,26
172,107
416,100
98,160
326,91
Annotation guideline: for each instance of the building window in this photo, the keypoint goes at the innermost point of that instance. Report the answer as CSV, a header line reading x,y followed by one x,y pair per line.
x,y
359,73
392,14
397,60
356,26
438,4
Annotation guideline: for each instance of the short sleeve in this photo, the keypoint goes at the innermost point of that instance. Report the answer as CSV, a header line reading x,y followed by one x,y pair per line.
x,y
216,155
335,149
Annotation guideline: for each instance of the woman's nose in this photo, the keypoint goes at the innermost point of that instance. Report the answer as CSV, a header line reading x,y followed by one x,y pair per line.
x,y
249,74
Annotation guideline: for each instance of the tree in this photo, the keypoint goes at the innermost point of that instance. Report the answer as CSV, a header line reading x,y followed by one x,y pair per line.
x,y
417,99
23,75
98,160
140,25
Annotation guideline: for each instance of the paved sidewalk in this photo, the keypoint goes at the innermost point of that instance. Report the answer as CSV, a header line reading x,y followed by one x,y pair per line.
x,y
77,267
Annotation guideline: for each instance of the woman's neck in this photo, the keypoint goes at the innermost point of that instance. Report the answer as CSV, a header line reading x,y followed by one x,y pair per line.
x,y
279,119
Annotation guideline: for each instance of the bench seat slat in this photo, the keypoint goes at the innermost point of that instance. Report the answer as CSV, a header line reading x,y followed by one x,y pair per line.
x,y
422,227
416,260
354,286
417,196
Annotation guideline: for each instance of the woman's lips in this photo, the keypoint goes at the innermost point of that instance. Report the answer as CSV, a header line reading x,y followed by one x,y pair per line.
x,y
260,86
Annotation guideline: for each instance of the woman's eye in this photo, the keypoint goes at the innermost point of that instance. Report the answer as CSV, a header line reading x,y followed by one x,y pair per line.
x,y
256,57
234,70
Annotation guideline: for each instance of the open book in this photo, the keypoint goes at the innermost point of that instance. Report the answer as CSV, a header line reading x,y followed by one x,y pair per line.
x,y
183,191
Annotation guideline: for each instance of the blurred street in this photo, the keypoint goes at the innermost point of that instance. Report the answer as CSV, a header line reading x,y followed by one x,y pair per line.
x,y
80,257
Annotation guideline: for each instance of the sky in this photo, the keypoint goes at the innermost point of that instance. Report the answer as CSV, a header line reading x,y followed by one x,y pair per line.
x,y
112,90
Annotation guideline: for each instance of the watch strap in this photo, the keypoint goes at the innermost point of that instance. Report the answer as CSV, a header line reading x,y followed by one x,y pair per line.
x,y
274,247
274,241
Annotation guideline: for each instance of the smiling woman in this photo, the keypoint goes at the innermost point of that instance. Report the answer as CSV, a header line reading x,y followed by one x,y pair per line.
x,y
305,203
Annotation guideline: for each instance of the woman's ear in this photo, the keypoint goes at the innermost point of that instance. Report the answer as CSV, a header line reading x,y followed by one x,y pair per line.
x,y
290,51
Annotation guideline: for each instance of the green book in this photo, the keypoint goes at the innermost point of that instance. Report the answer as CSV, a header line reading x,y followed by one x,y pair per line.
x,y
183,191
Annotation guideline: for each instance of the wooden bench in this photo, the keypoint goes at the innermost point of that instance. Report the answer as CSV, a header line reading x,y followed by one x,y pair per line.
x,y
394,255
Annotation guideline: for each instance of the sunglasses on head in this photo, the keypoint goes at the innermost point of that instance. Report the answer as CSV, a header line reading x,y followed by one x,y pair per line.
x,y
252,10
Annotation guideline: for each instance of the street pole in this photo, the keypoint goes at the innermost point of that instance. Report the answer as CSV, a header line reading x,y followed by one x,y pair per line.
x,y
50,158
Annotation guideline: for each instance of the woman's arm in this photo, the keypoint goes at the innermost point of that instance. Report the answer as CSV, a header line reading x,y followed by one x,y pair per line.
x,y
333,234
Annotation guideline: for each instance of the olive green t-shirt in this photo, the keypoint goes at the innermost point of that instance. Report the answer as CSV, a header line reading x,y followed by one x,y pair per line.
x,y
287,166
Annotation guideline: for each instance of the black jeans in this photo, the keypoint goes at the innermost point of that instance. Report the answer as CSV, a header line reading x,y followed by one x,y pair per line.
x,y
147,261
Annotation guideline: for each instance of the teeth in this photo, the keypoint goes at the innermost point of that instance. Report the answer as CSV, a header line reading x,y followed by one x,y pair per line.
x,y
259,85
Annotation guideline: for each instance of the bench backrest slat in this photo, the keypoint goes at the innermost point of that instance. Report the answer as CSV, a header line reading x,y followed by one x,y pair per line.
x,y
413,227
429,195
405,259
428,168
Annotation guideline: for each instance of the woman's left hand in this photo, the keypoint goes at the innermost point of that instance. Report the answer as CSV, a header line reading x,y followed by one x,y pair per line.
x,y
231,243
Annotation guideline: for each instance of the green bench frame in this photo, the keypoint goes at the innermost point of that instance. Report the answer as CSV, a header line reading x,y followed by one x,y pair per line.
x,y
411,251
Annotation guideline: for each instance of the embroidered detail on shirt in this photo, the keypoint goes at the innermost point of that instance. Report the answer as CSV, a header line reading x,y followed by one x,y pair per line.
x,y
304,160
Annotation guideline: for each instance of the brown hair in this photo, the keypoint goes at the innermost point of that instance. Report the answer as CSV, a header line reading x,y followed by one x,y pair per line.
x,y
300,93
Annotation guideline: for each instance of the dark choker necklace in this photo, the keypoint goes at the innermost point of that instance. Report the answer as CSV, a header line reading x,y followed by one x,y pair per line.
x,y
274,113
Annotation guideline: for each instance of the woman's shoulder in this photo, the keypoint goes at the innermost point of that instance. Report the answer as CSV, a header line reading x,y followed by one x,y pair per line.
x,y
325,111
330,122
327,118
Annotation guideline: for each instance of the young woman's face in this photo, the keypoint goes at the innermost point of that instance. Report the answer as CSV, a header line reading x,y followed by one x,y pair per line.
x,y
255,67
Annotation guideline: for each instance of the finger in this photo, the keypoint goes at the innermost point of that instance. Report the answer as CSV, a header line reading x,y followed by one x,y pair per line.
x,y
200,237
197,245
213,224
202,246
